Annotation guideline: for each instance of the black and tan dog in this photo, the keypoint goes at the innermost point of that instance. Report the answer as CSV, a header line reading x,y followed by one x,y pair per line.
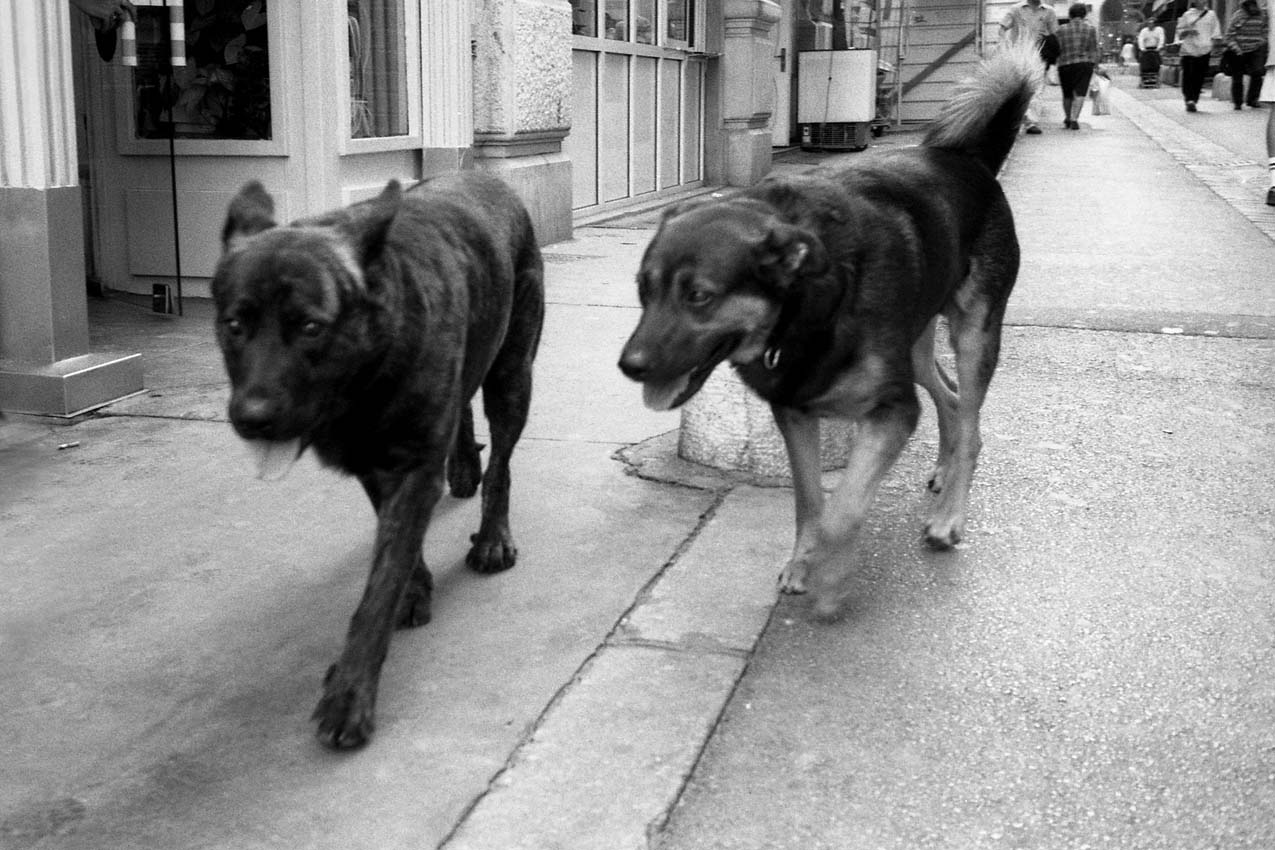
x,y
363,334
823,290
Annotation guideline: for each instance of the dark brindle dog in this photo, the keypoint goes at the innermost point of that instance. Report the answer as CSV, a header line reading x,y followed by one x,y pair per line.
x,y
823,290
364,333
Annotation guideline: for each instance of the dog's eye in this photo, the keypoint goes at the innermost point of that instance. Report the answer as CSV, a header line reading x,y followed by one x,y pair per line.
x,y
312,329
234,327
698,297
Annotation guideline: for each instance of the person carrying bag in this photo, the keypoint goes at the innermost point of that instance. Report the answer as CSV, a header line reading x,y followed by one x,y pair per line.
x,y
1196,31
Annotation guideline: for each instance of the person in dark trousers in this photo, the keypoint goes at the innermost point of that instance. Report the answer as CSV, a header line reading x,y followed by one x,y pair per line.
x,y
1076,62
1246,35
1268,96
1195,34
1150,40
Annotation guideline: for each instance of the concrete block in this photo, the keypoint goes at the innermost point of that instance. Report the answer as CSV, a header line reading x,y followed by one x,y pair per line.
x,y
720,592
71,386
610,758
728,427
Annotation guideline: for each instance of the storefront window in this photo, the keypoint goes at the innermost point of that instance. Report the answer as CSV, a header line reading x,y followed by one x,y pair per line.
x,y
638,21
223,92
378,68
644,21
680,20
584,18
617,19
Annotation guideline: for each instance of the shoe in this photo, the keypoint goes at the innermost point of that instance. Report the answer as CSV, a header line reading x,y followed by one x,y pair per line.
x,y
1190,106
1238,107
1033,130
1073,125
1256,105
1270,197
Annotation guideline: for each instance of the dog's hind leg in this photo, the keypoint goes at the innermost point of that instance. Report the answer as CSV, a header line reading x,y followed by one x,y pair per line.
x,y
464,466
345,713
880,437
930,374
975,315
801,438
506,402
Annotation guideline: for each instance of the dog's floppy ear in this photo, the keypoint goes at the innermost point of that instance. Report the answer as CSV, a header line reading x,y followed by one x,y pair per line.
x,y
794,249
391,194
366,230
251,212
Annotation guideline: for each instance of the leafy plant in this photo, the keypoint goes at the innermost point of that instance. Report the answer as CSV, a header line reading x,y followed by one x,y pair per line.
x,y
225,88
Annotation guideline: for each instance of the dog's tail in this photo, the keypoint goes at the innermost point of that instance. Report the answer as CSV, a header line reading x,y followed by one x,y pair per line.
x,y
983,115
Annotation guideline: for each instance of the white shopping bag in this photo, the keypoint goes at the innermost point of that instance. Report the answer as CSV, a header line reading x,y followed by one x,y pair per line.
x,y
1098,87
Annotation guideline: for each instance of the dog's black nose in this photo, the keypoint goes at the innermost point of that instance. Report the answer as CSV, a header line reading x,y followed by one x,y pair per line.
x,y
254,417
635,363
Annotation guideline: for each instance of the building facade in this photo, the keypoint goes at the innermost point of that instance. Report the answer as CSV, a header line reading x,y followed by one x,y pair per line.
x,y
586,107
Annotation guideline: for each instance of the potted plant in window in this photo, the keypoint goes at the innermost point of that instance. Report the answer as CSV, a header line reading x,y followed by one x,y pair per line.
x,y
224,92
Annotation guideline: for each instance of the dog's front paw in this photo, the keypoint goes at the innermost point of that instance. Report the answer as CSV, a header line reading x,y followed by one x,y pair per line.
x,y
491,554
793,577
344,713
832,588
942,535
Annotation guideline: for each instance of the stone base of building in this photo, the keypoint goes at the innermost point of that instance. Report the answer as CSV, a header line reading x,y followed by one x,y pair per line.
x,y
537,169
70,387
726,426
746,155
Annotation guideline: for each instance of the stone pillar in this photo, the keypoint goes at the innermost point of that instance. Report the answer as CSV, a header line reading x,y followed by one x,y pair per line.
x,y
45,363
447,60
522,104
748,95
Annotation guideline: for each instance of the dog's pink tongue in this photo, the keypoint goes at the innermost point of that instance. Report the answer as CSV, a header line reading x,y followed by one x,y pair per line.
x,y
664,396
274,457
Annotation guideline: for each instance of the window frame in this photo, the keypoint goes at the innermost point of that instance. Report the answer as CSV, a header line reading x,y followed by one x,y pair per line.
x,y
127,142
695,21
413,38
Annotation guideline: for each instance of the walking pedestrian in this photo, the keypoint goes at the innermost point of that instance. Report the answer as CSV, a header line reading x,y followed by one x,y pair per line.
x,y
1196,32
1247,36
1076,62
1128,56
1268,96
1150,40
1032,20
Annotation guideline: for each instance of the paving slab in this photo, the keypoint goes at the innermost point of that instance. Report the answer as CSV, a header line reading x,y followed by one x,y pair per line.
x,y
611,755
167,621
1090,669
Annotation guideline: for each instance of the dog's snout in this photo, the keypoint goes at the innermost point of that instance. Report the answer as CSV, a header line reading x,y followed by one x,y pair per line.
x,y
635,363
254,416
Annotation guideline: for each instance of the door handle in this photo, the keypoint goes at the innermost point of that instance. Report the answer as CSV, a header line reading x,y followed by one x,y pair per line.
x,y
782,56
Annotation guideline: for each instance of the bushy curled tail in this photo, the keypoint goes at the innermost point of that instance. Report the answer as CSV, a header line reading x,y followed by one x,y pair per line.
x,y
983,115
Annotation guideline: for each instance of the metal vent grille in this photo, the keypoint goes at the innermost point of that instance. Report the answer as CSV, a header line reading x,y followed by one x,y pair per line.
x,y
842,135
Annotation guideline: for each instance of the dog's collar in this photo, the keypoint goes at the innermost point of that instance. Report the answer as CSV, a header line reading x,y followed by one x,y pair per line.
x,y
774,344
812,305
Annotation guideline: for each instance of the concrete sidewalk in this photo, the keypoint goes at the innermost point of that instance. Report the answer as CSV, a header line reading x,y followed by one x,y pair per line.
x,y
168,619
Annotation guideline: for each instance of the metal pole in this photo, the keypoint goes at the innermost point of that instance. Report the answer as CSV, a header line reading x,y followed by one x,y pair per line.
x,y
172,162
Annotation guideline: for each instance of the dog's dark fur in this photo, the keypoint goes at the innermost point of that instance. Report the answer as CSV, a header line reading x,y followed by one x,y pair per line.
x,y
824,290
364,333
